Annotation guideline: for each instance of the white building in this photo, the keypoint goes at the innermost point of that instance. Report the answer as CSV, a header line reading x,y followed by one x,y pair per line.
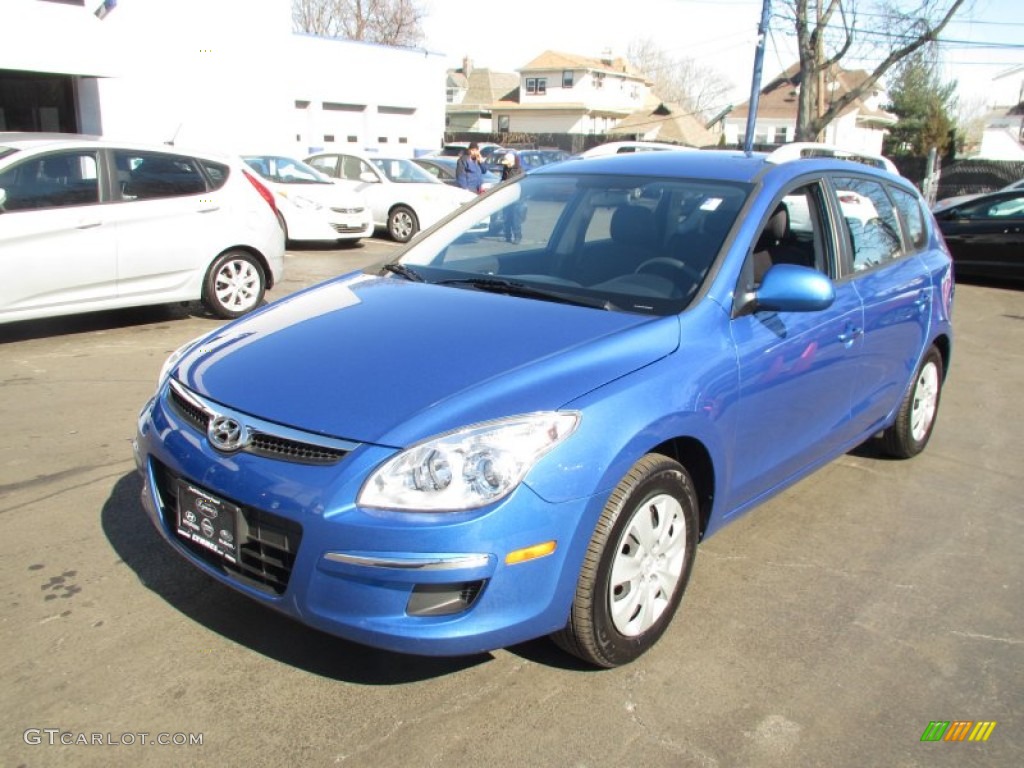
x,y
221,74
860,127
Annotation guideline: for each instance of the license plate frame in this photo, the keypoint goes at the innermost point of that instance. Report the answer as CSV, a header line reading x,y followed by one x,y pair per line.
x,y
208,521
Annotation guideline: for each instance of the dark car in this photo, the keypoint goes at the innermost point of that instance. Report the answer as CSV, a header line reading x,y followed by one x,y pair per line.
x,y
986,234
530,159
443,168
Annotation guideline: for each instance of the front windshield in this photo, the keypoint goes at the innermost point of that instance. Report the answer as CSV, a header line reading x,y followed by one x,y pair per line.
x,y
285,170
402,171
637,244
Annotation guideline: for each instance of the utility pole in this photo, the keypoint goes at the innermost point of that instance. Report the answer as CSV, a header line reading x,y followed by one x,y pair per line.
x,y
755,86
819,56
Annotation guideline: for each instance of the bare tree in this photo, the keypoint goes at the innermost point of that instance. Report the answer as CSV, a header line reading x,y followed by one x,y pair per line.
x,y
699,88
388,22
829,30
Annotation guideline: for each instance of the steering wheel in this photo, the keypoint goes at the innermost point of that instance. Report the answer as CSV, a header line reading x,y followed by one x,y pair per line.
x,y
670,269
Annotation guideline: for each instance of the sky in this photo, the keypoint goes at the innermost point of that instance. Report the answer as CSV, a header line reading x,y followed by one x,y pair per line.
x,y
717,33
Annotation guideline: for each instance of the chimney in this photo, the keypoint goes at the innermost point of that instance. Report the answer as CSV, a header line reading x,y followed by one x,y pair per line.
x,y
467,66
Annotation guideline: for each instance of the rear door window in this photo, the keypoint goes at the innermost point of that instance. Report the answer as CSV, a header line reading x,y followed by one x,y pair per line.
x,y
871,222
154,175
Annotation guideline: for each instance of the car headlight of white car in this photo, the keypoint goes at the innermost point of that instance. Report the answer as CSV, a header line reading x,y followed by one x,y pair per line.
x,y
299,201
468,468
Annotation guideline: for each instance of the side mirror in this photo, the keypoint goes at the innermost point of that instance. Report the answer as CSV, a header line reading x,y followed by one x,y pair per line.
x,y
3,199
368,177
792,288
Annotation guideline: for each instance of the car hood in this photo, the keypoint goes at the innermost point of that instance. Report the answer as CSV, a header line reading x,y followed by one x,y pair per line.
x,y
390,362
328,195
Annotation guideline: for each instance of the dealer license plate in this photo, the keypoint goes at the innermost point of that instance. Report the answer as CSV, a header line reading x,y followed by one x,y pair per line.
x,y
208,521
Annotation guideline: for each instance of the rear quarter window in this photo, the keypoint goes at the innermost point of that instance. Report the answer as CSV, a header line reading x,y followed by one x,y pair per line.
x,y
909,207
217,173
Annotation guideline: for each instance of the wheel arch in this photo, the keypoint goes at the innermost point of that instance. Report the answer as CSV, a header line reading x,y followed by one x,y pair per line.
x,y
268,273
945,346
696,459
403,204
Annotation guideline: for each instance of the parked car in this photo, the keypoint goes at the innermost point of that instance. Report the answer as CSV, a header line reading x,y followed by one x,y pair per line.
x,y
625,147
497,441
530,159
958,200
403,197
312,205
443,169
456,148
985,234
88,224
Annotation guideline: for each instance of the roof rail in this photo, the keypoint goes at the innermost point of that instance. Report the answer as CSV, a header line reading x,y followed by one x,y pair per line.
x,y
798,149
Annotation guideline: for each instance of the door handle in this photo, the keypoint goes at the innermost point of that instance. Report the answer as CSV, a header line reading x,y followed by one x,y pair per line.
x,y
88,224
210,209
850,336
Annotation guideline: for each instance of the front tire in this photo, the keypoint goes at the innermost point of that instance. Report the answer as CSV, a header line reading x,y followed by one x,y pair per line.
x,y
402,224
234,285
636,567
915,419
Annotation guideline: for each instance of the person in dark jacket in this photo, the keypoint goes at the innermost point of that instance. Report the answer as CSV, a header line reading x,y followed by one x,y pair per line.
x,y
469,169
513,214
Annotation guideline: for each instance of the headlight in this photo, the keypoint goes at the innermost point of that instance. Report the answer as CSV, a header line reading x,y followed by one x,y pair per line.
x,y
173,359
467,468
305,202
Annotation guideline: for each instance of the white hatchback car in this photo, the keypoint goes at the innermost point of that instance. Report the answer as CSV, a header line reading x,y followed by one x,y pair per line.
x,y
312,205
403,197
88,224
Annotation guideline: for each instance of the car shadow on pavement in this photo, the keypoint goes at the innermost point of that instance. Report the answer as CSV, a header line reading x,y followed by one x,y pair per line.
x,y
244,621
89,322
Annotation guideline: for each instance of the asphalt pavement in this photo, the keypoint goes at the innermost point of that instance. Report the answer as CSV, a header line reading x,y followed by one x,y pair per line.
x,y
829,627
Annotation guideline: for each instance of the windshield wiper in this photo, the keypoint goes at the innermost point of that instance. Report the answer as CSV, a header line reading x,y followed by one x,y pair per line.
x,y
515,288
403,271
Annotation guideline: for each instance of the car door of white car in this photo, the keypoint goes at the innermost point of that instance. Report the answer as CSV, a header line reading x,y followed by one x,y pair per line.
x,y
57,250
356,174
166,225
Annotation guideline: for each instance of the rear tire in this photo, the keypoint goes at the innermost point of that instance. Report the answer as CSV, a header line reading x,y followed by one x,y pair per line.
x,y
636,567
234,285
915,419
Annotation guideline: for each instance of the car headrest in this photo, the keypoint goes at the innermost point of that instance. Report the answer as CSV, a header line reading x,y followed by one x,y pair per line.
x,y
632,224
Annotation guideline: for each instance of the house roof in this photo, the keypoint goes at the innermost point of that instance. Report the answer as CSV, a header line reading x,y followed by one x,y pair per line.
x,y
666,122
484,87
779,98
557,60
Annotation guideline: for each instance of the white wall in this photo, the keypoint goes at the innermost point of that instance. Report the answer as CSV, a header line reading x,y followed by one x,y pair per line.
x,y
225,74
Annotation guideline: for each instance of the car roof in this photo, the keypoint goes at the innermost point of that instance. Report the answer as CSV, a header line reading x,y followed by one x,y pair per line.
x,y
624,147
712,164
26,141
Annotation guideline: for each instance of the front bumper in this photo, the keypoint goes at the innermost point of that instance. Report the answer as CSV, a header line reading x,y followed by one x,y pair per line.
x,y
327,224
430,584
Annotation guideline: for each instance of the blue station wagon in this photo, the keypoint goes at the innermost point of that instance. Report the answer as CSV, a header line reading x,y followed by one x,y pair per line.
x,y
484,442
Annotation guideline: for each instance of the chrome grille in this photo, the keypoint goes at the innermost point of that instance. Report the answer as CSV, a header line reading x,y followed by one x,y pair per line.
x,y
348,210
262,438
190,411
291,450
